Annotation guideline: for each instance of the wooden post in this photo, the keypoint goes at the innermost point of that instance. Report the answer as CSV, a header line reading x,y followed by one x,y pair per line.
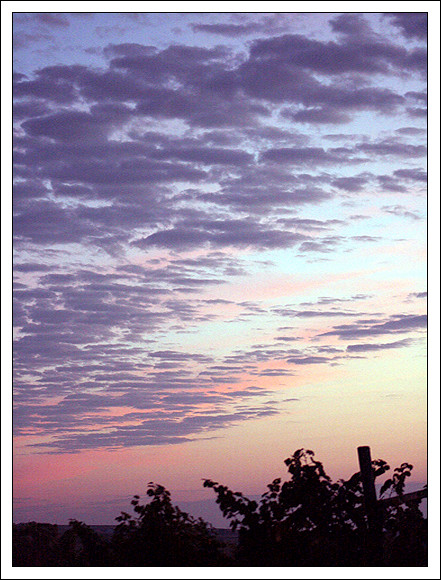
x,y
367,479
371,506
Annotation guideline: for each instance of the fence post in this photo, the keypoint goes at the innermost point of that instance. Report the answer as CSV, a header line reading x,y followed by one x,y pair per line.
x,y
374,525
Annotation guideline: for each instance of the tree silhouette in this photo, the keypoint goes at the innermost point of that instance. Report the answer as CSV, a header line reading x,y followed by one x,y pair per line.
x,y
405,528
35,544
160,534
311,521
80,545
308,520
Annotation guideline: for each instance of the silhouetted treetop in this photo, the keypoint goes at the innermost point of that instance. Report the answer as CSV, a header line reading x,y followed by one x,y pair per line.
x,y
310,520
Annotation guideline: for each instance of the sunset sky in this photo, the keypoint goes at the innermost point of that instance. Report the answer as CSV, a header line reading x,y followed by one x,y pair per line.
x,y
219,245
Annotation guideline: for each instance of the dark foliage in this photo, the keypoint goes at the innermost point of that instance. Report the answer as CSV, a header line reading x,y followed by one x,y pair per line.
x,y
308,520
404,528
35,544
311,521
80,545
159,534
162,535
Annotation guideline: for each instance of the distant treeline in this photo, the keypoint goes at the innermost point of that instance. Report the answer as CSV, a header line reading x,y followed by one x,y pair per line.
x,y
307,520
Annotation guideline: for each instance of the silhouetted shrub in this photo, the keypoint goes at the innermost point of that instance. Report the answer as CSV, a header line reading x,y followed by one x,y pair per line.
x,y
35,544
404,527
161,534
80,545
308,520
312,521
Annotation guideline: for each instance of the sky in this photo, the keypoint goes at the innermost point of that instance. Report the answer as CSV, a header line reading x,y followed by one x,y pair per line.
x,y
219,252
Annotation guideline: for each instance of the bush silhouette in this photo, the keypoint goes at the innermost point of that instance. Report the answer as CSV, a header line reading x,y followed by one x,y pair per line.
x,y
81,546
161,534
312,521
35,544
308,520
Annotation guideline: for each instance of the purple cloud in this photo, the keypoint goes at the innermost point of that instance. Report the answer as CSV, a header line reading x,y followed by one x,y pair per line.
x,y
412,24
351,25
218,233
147,178
379,346
228,29
304,155
395,324
52,19
401,211
361,55
318,115
411,174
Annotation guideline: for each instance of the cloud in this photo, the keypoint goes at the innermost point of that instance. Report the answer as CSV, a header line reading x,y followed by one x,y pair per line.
x,y
310,156
391,148
26,110
380,346
366,238
401,211
393,325
64,126
52,19
411,174
417,112
390,183
313,313
146,183
57,90
220,233
317,115
208,156
262,24
351,184
307,360
225,29
324,245
167,419
111,164
414,131
30,267
411,24
358,54
277,373
26,39
418,295
267,73
45,222
351,25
